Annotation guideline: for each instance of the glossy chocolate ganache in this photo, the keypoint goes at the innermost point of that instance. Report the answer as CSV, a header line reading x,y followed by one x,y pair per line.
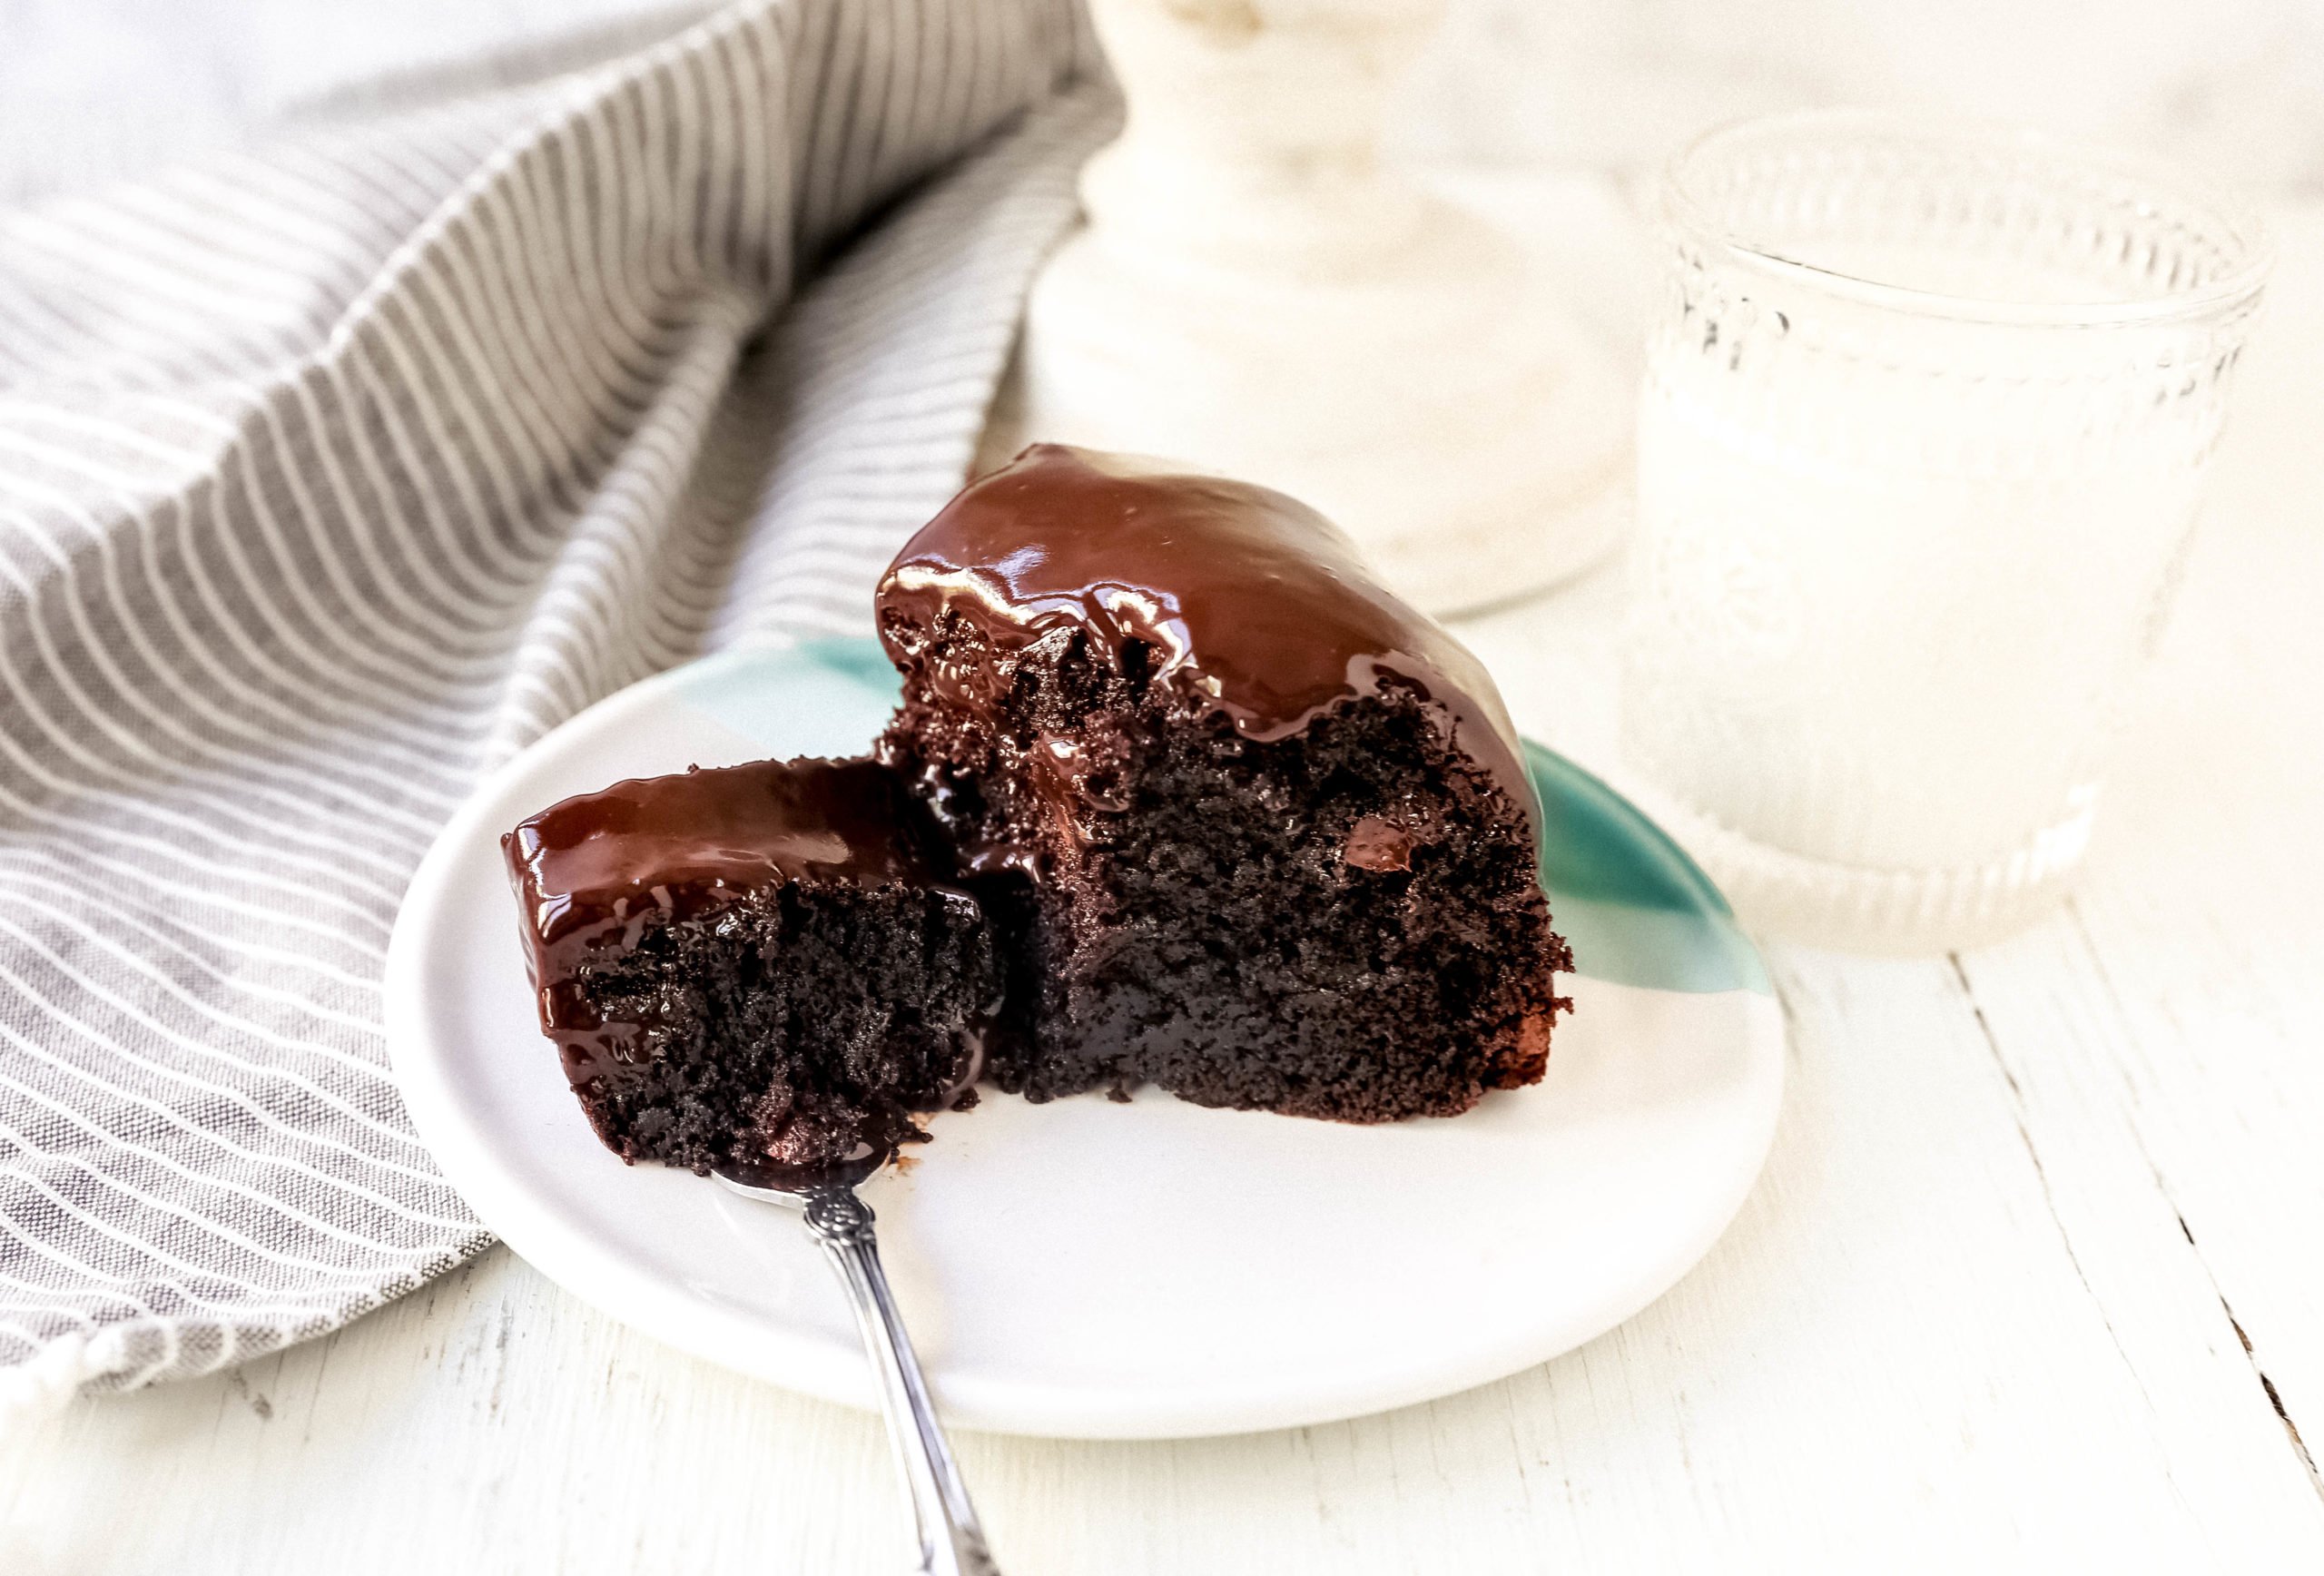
x,y
1257,831
1248,601
753,964
1177,795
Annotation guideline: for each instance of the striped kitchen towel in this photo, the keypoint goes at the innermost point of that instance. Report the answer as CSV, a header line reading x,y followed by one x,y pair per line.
x,y
334,471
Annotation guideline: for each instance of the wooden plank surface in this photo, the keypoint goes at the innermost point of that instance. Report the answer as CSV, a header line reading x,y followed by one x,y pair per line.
x,y
2032,1282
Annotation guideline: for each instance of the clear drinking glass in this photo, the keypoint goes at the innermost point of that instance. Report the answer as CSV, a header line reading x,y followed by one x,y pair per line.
x,y
1924,423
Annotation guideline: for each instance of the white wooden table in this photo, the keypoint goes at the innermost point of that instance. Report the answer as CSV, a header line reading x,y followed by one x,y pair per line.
x,y
2035,1279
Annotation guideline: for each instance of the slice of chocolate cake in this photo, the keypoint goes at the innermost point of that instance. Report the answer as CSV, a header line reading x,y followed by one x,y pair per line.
x,y
1258,832
756,967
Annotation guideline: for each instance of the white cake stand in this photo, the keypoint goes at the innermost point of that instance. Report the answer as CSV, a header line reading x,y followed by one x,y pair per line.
x,y
1256,293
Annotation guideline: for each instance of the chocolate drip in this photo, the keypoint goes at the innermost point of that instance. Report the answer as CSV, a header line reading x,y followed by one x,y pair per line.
x,y
1234,596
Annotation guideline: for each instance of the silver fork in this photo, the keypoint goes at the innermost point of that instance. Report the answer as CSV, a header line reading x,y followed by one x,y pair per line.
x,y
952,1544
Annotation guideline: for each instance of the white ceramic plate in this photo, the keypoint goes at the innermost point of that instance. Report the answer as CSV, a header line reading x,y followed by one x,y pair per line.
x,y
1098,1270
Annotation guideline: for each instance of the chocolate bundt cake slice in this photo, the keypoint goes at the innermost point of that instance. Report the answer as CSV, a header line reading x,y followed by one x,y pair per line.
x,y
1255,831
761,968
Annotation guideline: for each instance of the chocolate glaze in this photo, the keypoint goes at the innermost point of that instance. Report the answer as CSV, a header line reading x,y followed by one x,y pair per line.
x,y
592,870
1250,602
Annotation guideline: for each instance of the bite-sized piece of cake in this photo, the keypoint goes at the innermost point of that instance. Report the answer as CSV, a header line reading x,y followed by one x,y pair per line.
x,y
757,966
1259,832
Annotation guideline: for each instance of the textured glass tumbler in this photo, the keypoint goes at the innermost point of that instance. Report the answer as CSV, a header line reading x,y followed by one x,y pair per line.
x,y
1926,417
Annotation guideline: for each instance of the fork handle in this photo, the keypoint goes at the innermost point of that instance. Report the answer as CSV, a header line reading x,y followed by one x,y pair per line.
x,y
950,1541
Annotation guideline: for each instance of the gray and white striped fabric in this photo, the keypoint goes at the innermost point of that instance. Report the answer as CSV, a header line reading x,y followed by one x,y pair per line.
x,y
335,470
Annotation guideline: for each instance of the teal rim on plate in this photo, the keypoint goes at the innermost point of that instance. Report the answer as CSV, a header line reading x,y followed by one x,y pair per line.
x,y
1636,909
